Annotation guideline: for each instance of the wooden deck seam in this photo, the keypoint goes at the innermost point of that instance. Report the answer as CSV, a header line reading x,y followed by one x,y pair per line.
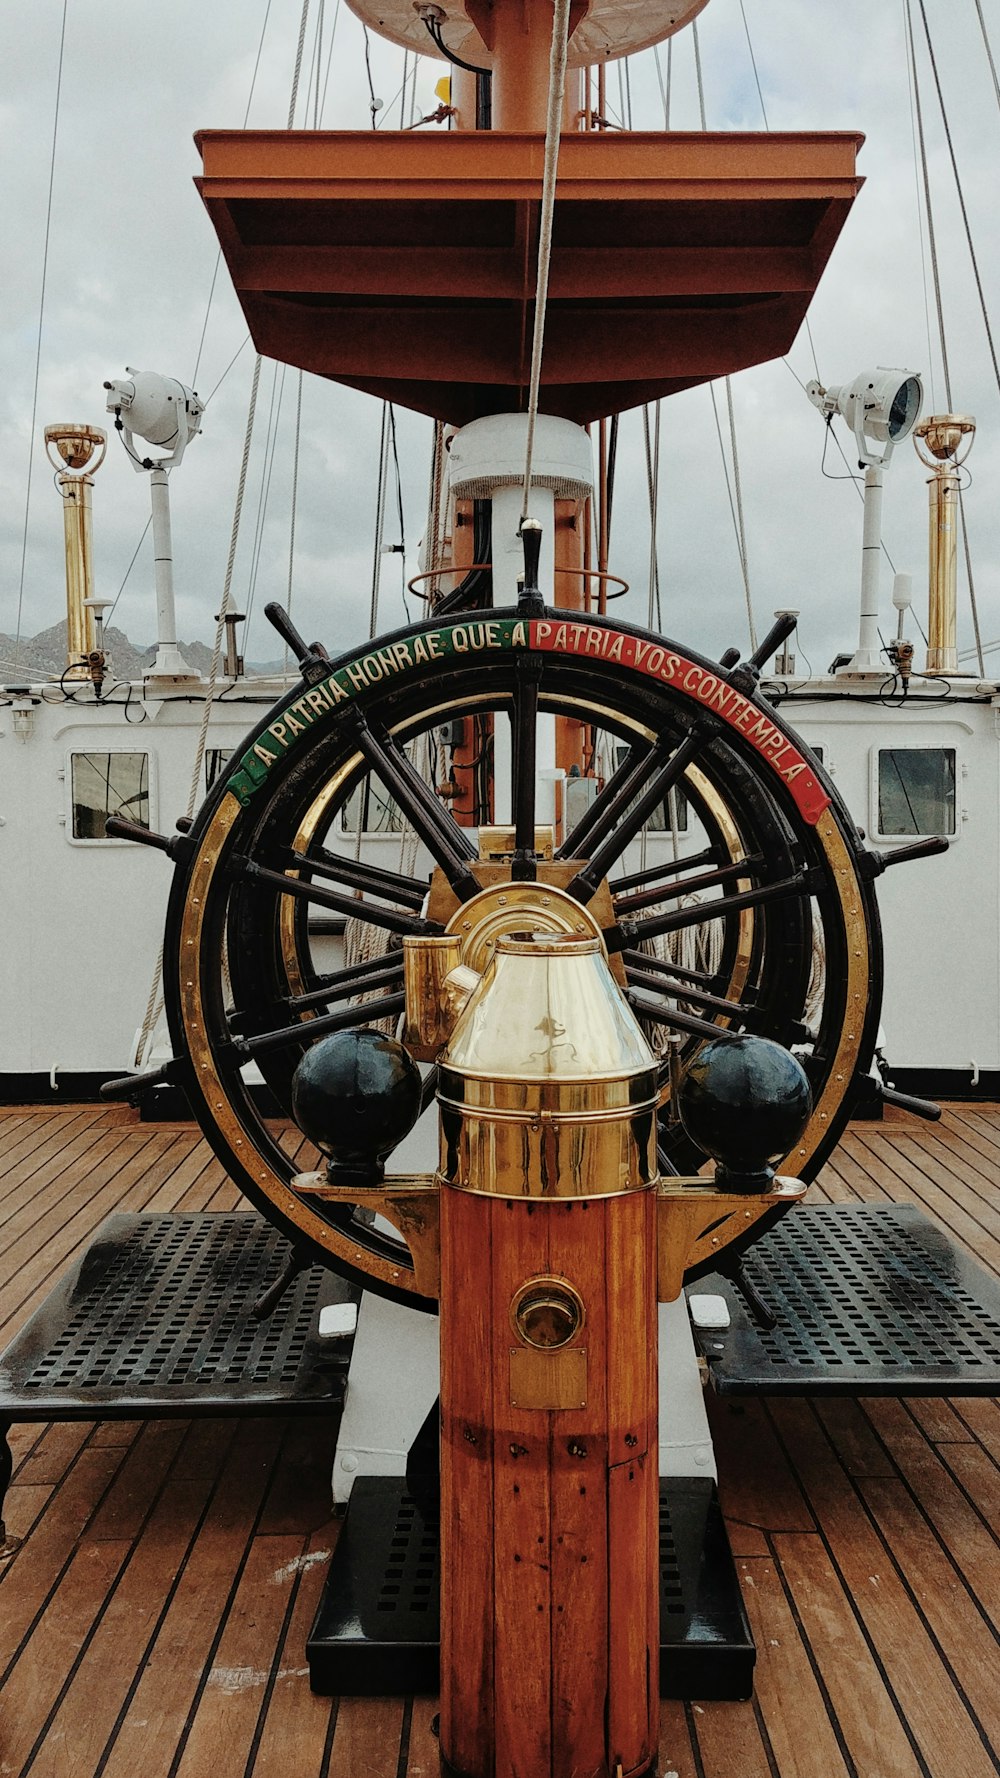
x,y
810,1653
859,1615
226,1608
10,1567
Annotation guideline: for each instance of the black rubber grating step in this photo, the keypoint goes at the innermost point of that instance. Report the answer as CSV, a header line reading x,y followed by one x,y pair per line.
x,y
867,1300
377,1630
157,1317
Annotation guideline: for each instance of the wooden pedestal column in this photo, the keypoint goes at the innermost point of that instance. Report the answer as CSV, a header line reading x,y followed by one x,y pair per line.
x,y
549,1515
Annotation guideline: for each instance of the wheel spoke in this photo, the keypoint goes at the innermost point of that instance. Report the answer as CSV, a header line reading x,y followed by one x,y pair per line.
x,y
646,978
444,839
646,1007
632,932
349,905
644,898
524,766
625,816
639,878
360,978
243,1049
700,977
391,885
609,802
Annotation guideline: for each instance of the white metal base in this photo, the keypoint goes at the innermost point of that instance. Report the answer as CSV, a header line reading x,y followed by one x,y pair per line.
x,y
393,1382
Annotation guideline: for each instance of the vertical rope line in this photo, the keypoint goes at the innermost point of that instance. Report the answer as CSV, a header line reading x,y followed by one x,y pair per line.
x,y
38,345
294,503
961,195
155,1002
383,473
972,587
557,89
921,225
928,206
329,58
651,438
736,490
740,524
989,52
753,64
318,58
293,100
432,530
698,73
218,256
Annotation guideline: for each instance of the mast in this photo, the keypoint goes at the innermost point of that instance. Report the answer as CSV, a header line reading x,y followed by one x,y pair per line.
x,y
520,282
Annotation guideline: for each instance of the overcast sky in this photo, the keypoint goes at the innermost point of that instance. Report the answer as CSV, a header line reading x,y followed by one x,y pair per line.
x,y
130,264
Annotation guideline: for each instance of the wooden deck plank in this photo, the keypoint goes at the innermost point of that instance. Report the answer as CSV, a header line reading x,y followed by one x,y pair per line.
x,y
366,1738
927,1697
86,1720
966,1528
297,1724
155,1721
156,1618
960,1627
223,1725
867,1717
798,1726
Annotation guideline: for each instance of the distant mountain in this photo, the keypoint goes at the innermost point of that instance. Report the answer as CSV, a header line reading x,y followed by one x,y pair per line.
x,y
44,656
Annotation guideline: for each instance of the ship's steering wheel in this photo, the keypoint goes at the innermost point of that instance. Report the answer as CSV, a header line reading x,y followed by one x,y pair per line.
x,y
780,870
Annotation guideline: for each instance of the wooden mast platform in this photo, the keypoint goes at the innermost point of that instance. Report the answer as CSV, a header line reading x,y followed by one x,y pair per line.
x,y
157,1614
404,264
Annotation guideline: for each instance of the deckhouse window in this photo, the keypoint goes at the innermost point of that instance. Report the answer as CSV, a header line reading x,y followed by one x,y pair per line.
x,y
106,784
916,790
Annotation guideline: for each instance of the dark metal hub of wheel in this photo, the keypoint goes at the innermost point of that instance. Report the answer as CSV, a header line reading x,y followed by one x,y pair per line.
x,y
777,876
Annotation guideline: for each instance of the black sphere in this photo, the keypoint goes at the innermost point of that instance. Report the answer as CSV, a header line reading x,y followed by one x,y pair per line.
x,y
746,1102
356,1094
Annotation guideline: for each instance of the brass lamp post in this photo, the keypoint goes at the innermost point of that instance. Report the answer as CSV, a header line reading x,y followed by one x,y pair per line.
x,y
947,440
71,451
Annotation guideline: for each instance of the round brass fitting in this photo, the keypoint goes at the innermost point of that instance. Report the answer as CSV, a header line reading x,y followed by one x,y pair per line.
x,y
547,1313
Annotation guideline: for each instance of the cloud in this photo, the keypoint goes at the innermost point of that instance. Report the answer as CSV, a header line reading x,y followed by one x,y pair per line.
x,y
132,255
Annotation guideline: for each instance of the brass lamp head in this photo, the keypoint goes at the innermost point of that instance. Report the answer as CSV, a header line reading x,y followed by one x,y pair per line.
x,y
75,446
943,436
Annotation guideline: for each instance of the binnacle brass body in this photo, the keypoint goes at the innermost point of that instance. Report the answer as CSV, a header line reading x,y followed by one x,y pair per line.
x,y
548,1088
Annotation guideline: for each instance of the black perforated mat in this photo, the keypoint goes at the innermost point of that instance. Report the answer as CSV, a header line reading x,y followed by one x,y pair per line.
x,y
867,1301
377,1630
156,1318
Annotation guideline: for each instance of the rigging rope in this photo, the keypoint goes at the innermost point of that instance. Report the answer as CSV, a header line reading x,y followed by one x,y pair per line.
x,y
383,471
961,195
294,504
989,52
928,206
154,1004
38,346
735,505
557,90
653,486
937,281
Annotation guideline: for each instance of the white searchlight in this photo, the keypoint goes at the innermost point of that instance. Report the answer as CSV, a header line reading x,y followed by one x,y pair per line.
x,y
879,405
165,413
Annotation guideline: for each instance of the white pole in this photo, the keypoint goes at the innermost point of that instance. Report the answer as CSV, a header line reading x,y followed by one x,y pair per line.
x,y
169,663
868,658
